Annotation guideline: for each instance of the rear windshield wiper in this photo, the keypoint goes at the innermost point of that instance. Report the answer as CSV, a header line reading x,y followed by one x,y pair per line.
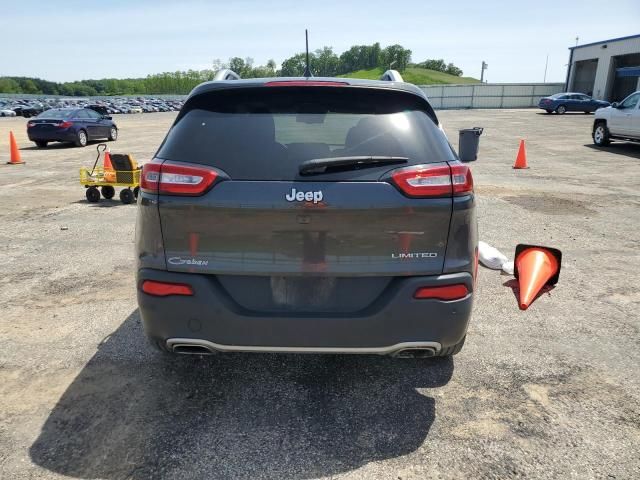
x,y
324,165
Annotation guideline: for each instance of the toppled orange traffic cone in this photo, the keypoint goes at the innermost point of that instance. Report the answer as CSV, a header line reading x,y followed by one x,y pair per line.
x,y
15,152
535,267
109,171
521,159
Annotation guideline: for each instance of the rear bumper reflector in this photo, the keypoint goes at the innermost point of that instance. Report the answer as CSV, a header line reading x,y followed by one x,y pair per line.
x,y
164,289
447,292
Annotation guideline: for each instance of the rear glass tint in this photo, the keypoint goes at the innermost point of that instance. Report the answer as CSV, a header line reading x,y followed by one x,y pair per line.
x,y
265,133
55,114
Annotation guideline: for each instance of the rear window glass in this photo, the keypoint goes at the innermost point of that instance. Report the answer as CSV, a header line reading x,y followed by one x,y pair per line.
x,y
55,114
266,133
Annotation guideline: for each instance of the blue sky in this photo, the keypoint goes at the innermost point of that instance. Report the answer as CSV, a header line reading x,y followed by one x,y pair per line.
x,y
65,40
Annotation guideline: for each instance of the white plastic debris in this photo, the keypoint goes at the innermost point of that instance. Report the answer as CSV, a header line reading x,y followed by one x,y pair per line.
x,y
507,267
492,258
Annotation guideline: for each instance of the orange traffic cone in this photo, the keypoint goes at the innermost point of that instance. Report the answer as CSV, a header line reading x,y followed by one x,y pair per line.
x,y
15,153
109,171
535,267
521,159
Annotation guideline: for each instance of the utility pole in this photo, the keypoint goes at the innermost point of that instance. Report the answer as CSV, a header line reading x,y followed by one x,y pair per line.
x,y
577,38
484,67
545,69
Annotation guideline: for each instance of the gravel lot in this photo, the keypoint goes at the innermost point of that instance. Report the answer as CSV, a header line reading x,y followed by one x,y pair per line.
x,y
553,392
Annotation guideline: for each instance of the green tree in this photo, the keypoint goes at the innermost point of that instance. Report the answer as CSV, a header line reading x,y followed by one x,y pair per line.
x,y
396,57
294,66
437,65
29,86
453,70
374,55
9,85
325,63
264,71
242,66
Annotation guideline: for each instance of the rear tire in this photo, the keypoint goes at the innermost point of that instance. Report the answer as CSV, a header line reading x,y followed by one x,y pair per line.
x,y
41,144
108,192
126,196
453,350
601,135
81,139
92,194
113,134
561,110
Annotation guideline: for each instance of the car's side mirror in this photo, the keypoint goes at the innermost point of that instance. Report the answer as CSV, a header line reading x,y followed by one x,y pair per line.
x,y
468,143
615,104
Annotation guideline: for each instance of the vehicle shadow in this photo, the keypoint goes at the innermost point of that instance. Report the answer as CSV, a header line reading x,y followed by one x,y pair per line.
x,y
62,146
628,149
136,413
554,114
104,203
52,146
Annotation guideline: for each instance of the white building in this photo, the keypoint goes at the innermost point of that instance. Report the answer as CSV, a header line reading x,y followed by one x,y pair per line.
x,y
607,70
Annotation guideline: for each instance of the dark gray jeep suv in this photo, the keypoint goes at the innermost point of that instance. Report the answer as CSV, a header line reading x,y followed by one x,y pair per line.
x,y
321,215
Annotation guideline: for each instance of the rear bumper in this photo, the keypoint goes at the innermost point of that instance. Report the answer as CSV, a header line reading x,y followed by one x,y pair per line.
x,y
395,321
63,136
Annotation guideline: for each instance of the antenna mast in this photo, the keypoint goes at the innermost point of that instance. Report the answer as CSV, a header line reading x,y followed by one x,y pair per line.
x,y
307,70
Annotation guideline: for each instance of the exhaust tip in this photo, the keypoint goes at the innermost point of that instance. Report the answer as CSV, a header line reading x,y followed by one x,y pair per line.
x,y
416,352
187,349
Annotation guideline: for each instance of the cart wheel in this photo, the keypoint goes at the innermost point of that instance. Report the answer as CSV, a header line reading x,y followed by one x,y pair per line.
x,y
108,192
126,196
136,191
93,195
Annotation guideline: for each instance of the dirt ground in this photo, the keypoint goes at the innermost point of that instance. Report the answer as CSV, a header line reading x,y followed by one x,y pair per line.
x,y
552,392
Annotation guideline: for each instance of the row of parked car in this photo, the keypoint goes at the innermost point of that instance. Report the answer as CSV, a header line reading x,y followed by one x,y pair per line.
x,y
613,121
30,108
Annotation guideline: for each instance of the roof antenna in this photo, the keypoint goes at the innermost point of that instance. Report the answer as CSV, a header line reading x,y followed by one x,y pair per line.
x,y
307,70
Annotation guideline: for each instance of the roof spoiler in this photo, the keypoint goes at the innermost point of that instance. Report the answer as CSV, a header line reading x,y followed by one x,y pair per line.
x,y
226,74
392,76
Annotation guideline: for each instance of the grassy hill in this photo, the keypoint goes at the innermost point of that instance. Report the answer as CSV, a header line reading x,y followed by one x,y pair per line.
x,y
417,76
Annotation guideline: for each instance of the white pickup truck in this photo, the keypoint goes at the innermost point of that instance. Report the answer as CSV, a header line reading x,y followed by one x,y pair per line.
x,y
620,121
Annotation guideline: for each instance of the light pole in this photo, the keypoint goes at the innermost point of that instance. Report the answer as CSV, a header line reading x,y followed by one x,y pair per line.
x,y
484,67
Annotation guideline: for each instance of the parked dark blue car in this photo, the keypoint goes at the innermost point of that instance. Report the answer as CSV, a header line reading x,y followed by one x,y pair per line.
x,y
571,102
75,125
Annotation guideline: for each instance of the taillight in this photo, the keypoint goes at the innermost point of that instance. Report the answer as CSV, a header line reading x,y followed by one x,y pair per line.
x,y
305,83
445,292
164,289
434,180
64,124
461,179
174,178
424,180
150,176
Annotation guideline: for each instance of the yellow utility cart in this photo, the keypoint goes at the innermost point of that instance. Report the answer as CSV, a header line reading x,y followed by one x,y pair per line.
x,y
121,170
